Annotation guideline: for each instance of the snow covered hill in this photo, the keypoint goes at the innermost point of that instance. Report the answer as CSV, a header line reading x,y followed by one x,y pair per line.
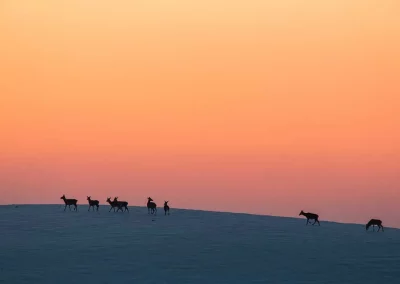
x,y
42,244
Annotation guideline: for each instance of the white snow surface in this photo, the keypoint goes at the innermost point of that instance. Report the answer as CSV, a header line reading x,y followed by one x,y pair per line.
x,y
43,244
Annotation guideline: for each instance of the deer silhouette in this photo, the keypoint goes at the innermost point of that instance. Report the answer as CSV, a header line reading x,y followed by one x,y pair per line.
x,y
113,204
93,203
151,206
310,216
121,204
69,202
166,207
373,223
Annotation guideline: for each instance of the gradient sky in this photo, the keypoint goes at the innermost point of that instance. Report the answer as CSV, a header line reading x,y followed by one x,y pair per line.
x,y
255,106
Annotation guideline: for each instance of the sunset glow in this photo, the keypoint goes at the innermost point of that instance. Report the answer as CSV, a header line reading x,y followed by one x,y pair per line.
x,y
266,107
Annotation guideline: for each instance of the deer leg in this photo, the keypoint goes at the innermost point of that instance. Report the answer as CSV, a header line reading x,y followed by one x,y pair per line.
x,y
307,222
69,206
127,208
88,208
65,207
314,222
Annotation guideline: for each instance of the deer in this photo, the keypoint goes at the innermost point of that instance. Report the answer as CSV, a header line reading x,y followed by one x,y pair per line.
x,y
166,207
113,204
69,202
373,223
93,203
151,206
310,216
121,204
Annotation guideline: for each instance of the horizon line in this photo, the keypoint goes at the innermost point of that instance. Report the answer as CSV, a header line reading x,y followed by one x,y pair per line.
x,y
202,210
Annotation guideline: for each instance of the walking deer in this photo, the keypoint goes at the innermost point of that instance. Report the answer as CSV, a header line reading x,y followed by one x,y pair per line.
x,y
310,216
113,204
151,206
93,203
121,204
373,223
166,207
69,202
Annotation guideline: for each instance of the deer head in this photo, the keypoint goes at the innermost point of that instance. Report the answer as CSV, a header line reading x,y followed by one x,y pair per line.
x,y
88,198
166,202
301,213
62,197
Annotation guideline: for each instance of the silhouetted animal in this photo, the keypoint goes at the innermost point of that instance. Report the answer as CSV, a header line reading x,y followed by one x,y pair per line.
x,y
151,206
121,204
113,204
166,207
69,202
373,223
93,203
310,216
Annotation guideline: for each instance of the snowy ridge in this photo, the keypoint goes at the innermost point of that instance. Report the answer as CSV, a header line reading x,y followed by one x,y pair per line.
x,y
43,244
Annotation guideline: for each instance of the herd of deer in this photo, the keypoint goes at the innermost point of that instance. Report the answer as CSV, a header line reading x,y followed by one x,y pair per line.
x,y
152,208
115,204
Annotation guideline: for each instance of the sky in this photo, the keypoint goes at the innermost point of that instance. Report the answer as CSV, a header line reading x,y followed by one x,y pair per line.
x,y
266,107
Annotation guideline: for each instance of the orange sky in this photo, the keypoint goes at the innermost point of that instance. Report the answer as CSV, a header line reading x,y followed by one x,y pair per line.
x,y
253,106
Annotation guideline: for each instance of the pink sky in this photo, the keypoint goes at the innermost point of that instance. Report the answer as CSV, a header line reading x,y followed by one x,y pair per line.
x,y
265,107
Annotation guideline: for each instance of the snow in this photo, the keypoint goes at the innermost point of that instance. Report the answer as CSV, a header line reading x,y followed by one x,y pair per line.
x,y
42,244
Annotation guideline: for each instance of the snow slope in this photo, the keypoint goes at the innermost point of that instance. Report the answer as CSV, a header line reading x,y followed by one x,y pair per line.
x,y
42,244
